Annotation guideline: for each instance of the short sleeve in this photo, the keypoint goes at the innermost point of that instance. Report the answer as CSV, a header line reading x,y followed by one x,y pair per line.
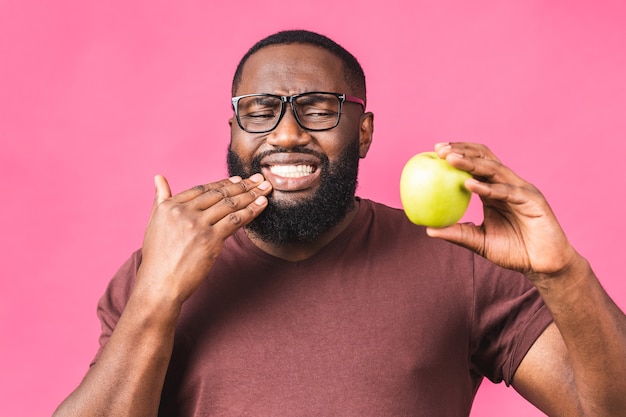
x,y
509,315
113,301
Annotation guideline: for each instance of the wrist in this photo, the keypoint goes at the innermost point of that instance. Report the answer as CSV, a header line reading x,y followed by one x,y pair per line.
x,y
573,275
154,299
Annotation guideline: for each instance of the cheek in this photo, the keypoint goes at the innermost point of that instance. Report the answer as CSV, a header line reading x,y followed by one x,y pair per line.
x,y
241,144
336,152
340,143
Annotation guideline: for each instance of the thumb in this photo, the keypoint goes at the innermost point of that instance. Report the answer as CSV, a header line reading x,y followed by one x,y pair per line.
x,y
467,235
162,190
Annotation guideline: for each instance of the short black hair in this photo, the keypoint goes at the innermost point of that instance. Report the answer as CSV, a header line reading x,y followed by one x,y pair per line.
x,y
354,75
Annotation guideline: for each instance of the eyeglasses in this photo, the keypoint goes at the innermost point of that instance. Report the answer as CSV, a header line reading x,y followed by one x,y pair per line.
x,y
314,111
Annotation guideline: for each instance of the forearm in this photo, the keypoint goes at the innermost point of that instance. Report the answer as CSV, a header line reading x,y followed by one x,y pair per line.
x,y
127,379
594,331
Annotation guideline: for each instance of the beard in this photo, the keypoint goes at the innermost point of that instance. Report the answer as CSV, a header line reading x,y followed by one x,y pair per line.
x,y
283,223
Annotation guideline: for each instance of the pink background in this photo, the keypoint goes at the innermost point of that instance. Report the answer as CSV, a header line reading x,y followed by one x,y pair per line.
x,y
97,97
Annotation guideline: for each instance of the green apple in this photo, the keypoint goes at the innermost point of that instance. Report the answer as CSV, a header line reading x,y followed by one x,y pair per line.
x,y
432,191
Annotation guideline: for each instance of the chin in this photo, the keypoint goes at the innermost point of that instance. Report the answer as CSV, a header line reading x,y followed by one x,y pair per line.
x,y
290,198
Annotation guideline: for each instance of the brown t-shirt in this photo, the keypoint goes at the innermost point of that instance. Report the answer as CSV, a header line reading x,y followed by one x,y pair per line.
x,y
383,321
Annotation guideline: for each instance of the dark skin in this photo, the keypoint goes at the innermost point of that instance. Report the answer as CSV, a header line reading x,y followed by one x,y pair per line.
x,y
182,240
287,71
575,368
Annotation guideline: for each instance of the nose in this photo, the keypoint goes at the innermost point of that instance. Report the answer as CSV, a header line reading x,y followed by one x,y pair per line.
x,y
288,133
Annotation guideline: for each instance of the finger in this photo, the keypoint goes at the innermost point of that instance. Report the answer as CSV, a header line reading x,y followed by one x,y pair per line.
x,y
467,235
475,158
198,190
486,169
235,220
498,191
467,149
162,191
217,206
522,202
226,194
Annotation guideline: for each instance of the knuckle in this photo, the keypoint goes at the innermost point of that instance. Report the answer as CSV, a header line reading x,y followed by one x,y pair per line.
x,y
177,211
200,188
229,201
243,185
235,219
250,212
220,192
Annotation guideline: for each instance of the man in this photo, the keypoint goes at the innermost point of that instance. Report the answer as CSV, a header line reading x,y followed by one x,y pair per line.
x,y
277,292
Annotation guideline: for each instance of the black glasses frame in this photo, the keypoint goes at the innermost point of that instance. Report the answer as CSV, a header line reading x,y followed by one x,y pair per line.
x,y
343,98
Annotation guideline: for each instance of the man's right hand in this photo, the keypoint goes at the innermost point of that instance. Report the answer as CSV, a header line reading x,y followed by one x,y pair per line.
x,y
186,232
184,237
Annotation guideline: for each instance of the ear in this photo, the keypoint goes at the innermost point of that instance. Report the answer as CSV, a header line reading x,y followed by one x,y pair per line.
x,y
366,133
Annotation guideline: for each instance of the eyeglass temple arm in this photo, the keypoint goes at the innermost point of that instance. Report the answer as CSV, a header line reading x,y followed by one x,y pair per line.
x,y
353,99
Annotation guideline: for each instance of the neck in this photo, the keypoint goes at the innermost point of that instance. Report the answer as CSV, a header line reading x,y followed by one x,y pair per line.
x,y
295,252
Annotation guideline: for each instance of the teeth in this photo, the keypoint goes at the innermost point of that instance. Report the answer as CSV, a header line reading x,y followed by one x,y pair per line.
x,y
292,171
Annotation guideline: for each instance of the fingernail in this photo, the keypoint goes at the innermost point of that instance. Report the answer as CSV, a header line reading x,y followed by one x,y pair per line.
x,y
261,200
235,179
264,185
256,177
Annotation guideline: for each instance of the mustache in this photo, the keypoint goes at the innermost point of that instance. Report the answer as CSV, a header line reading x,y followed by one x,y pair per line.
x,y
256,161
296,149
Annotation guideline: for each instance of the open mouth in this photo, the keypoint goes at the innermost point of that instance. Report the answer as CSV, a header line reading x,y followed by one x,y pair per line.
x,y
292,171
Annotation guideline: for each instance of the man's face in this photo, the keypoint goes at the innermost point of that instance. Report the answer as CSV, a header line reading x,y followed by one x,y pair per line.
x,y
313,174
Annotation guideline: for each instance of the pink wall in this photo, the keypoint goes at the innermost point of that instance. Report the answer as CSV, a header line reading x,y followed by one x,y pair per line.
x,y
97,97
